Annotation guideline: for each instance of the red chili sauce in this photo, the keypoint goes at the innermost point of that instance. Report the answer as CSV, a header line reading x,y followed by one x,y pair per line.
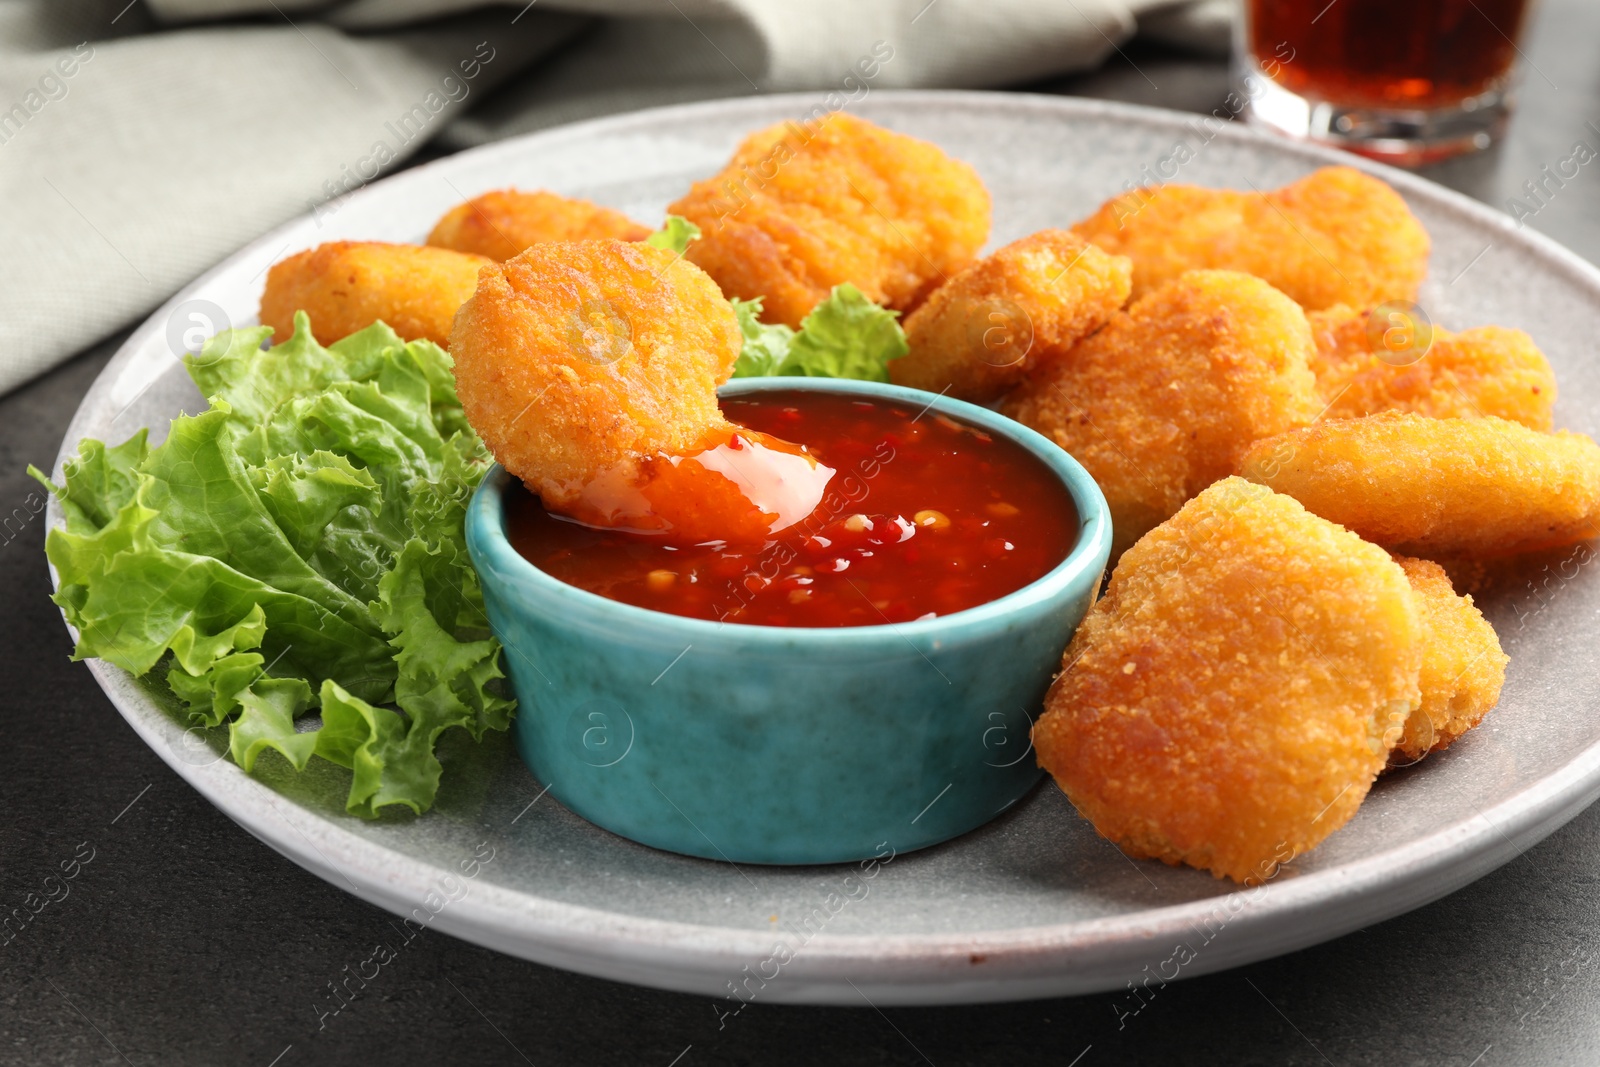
x,y
925,516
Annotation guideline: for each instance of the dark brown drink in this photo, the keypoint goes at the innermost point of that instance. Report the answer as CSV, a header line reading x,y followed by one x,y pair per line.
x,y
1417,53
1408,81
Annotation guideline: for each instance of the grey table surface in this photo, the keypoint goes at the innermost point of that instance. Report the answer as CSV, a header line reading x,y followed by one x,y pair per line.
x,y
186,941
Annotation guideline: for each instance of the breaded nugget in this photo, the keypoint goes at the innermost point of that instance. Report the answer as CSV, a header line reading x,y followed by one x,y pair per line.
x,y
1230,699
1488,370
1463,666
346,286
590,369
1336,236
1481,487
982,331
1167,397
621,345
800,209
501,223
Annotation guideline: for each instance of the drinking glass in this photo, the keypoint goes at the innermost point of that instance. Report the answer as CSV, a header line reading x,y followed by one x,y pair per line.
x,y
1405,81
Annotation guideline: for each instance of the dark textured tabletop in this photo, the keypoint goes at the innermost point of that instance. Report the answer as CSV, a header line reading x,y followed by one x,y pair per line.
x,y
183,940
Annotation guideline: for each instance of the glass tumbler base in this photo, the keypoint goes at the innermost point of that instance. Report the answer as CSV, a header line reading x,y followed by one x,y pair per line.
x,y
1405,137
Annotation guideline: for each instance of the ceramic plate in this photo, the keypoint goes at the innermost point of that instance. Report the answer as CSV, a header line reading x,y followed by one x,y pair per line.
x,y
1034,904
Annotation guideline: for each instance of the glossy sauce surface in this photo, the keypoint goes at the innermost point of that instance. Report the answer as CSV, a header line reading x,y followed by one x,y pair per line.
x,y
925,516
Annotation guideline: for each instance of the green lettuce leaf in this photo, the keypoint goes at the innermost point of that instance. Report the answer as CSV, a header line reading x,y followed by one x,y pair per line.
x,y
765,346
101,480
270,707
299,545
845,336
674,235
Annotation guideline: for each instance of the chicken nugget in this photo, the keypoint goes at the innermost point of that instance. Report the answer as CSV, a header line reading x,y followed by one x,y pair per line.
x,y
1230,699
501,223
1454,487
803,208
1336,236
346,286
982,331
590,369
624,343
1463,666
1167,397
1488,370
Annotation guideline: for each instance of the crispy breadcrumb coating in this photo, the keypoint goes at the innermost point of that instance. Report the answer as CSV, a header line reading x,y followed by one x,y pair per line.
x,y
1463,666
1489,370
1167,397
982,331
1423,486
802,208
346,286
1336,236
1230,699
575,356
501,223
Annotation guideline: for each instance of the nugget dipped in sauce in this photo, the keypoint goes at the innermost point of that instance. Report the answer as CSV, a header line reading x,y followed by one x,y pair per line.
x,y
981,332
501,223
1336,236
802,208
1463,666
590,369
1450,487
1394,363
1229,701
1167,397
345,286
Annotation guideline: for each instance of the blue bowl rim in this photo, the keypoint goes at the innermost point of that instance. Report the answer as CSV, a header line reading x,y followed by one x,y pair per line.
x,y
486,533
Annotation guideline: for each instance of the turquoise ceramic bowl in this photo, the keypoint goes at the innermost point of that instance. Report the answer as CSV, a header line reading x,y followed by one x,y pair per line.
x,y
760,744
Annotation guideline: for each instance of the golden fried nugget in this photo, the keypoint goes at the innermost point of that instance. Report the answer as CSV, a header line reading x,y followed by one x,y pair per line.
x,y
619,344
1488,370
501,223
982,331
1230,699
346,286
590,368
1165,399
1463,666
802,208
1336,236
1422,486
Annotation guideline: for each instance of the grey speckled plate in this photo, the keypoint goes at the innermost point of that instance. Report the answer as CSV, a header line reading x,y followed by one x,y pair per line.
x,y
1034,904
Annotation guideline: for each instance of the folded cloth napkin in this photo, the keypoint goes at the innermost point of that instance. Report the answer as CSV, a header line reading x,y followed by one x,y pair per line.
x,y
143,140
